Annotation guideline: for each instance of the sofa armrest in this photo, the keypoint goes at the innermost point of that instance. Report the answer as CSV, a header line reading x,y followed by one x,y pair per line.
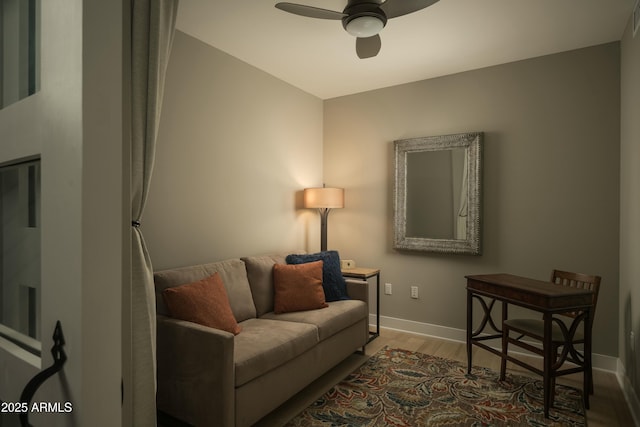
x,y
358,289
196,374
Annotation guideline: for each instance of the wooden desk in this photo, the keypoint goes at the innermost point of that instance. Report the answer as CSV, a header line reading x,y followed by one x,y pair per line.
x,y
363,273
544,297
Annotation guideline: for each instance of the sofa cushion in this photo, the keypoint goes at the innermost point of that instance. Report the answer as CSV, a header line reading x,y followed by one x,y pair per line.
x,y
260,274
265,344
337,316
204,302
298,287
233,274
335,288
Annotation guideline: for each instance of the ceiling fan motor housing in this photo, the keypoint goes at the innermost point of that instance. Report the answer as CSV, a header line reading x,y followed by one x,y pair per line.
x,y
364,27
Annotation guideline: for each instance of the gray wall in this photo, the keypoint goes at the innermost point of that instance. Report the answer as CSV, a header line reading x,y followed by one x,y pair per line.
x,y
551,178
630,208
235,148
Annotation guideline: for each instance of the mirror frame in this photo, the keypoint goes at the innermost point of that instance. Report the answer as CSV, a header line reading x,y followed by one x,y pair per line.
x,y
472,142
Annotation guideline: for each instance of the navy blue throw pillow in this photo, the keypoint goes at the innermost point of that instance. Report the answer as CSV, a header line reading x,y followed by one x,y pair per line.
x,y
335,288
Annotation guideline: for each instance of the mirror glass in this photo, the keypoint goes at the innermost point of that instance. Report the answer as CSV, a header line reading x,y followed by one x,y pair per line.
x,y
437,193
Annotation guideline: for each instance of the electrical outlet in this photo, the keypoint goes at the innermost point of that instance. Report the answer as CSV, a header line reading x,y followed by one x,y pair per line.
x,y
387,289
414,292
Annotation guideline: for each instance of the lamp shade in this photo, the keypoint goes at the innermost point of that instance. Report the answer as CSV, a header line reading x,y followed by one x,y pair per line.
x,y
324,198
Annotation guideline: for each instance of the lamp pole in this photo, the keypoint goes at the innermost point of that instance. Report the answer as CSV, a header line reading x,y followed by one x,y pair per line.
x,y
324,215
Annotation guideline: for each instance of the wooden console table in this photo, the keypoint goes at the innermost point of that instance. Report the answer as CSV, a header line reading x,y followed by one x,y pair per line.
x,y
544,297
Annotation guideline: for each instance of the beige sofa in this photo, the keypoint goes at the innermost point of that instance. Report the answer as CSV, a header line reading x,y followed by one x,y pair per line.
x,y
209,377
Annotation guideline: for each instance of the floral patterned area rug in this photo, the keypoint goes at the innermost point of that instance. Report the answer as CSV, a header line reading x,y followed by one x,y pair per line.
x,y
403,388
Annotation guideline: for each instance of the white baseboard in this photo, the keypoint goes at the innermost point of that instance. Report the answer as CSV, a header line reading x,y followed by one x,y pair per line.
x,y
600,361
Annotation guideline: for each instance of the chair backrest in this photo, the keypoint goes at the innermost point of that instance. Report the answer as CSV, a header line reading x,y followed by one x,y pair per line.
x,y
580,281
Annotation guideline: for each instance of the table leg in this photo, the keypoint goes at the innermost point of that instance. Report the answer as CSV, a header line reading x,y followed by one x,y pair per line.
x,y
548,363
469,328
378,304
588,380
505,343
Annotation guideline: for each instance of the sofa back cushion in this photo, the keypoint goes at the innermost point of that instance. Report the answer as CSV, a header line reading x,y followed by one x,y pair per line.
x,y
234,277
260,274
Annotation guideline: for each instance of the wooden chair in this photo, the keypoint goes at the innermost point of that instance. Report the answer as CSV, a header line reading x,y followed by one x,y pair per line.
x,y
534,329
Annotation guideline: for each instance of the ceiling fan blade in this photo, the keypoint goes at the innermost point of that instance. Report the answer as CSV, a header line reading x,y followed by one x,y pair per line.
x,y
368,47
393,8
310,11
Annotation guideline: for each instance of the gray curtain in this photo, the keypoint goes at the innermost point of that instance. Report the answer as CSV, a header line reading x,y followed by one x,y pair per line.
x,y
152,28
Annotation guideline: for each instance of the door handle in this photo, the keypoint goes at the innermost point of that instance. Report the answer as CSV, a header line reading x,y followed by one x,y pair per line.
x,y
59,358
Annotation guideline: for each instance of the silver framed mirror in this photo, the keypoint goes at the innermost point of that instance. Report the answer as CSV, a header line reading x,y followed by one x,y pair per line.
x,y
438,194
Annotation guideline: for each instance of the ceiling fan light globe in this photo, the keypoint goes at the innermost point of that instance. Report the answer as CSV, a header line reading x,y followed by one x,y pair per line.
x,y
364,26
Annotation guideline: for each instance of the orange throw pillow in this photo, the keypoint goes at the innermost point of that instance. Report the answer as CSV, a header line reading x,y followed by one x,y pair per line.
x,y
298,287
204,302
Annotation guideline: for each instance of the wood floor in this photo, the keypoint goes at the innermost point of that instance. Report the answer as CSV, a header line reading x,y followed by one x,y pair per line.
x,y
608,406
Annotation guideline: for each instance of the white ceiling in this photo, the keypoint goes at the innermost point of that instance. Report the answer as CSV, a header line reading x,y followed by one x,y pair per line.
x,y
451,36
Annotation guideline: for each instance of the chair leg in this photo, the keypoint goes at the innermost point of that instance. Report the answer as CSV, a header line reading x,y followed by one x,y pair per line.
x,y
505,349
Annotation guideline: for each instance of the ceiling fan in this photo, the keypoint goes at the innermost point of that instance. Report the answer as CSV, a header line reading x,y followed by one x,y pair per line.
x,y
363,19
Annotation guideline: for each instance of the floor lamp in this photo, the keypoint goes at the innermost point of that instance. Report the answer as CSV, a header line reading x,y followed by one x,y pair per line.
x,y
324,199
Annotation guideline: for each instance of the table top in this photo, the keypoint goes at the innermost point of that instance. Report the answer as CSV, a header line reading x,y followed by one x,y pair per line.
x,y
532,293
360,272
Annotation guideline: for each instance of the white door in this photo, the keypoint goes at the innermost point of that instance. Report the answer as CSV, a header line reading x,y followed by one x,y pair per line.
x,y
74,124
